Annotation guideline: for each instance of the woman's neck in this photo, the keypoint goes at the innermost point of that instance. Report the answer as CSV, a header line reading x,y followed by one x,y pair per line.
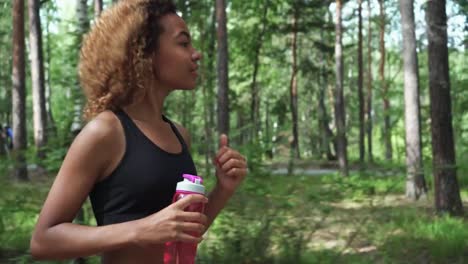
x,y
150,108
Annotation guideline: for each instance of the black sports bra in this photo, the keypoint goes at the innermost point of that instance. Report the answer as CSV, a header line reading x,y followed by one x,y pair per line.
x,y
145,179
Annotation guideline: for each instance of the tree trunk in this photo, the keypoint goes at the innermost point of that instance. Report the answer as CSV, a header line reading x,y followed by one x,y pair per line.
x,y
415,183
51,128
223,84
97,8
19,93
362,149
255,101
447,193
268,137
386,101
37,75
339,100
293,88
205,79
82,27
369,85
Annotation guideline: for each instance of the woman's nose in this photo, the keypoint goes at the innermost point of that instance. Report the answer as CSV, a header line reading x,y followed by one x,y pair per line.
x,y
196,56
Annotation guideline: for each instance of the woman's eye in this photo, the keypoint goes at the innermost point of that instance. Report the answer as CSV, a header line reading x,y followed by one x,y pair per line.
x,y
185,44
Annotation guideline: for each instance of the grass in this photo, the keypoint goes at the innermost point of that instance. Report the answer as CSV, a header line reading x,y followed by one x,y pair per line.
x,y
281,219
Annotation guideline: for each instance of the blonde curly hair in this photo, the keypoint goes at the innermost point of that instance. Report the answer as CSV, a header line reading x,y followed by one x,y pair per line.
x,y
116,55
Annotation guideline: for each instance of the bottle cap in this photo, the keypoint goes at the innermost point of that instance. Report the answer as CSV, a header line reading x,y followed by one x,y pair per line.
x,y
191,183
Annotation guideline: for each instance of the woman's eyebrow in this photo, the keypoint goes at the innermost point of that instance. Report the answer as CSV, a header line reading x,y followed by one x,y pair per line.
x,y
184,33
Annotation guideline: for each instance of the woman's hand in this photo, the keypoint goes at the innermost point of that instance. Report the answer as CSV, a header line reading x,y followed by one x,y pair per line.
x,y
172,223
231,166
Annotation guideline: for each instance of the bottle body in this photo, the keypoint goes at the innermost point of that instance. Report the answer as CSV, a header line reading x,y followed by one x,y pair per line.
x,y
177,252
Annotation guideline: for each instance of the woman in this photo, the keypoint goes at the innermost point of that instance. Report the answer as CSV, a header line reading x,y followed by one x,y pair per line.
x,y
129,157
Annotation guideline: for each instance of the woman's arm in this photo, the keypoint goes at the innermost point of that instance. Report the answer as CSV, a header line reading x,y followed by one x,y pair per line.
x,y
94,154
89,158
231,169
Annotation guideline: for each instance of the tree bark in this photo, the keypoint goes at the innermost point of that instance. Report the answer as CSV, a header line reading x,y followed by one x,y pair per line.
x,y
362,150
82,27
51,128
369,86
386,101
223,58
323,118
339,100
415,183
255,101
37,75
447,193
19,92
97,8
293,87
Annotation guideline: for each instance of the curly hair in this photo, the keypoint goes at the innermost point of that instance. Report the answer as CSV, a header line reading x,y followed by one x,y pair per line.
x,y
116,55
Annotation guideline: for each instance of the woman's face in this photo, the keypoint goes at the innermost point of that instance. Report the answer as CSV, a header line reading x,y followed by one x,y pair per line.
x,y
175,62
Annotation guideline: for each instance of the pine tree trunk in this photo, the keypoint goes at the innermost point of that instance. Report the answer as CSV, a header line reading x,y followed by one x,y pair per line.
x,y
293,88
97,8
82,27
255,101
339,100
19,93
386,101
327,136
447,193
362,150
51,128
369,86
37,75
223,83
415,183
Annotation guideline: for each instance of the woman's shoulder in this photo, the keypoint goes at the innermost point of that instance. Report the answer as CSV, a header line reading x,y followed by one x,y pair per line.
x,y
103,129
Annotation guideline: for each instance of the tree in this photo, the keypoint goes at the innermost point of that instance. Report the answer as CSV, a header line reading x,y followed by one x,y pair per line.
x,y
97,8
82,27
223,83
293,86
255,101
415,183
19,92
37,75
387,134
339,100
447,193
369,85
362,149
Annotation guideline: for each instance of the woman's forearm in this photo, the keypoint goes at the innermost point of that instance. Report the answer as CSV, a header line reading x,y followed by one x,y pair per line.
x,y
68,240
217,199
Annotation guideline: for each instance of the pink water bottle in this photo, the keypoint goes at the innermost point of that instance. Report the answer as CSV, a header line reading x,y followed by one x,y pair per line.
x,y
181,252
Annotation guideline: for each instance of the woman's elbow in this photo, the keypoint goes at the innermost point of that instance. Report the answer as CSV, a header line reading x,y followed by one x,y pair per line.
x,y
37,252
39,249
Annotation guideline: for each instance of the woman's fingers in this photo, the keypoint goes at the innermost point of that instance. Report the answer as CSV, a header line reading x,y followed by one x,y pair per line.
x,y
192,227
192,217
237,172
233,163
184,237
188,200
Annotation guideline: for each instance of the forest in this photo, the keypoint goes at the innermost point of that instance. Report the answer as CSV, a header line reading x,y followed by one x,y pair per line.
x,y
352,115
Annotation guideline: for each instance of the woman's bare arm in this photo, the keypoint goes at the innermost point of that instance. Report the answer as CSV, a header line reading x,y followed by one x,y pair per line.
x,y
99,145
